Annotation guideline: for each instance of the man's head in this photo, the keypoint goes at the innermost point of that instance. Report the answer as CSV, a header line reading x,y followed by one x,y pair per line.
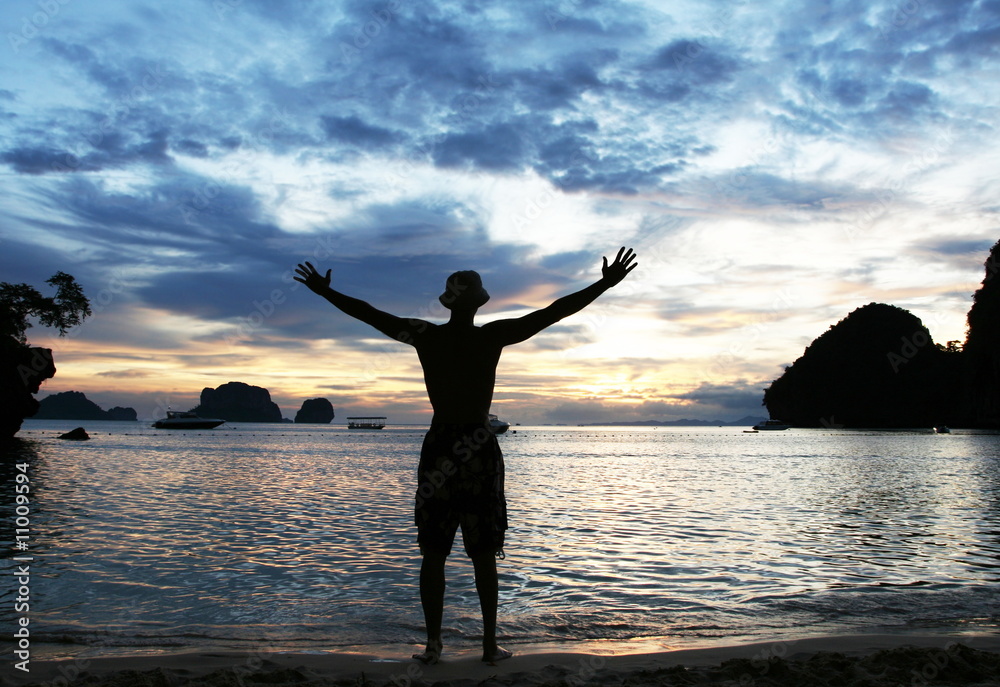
x,y
464,291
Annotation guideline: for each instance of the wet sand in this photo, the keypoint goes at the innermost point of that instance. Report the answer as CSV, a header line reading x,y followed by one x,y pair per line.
x,y
848,661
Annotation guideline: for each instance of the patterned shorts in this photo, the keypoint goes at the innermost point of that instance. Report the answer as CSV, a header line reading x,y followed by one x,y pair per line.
x,y
460,483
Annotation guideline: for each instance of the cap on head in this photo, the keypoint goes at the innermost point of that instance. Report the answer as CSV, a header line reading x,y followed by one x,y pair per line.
x,y
464,290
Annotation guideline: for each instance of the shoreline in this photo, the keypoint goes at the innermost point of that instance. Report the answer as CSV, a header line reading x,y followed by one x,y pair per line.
x,y
889,659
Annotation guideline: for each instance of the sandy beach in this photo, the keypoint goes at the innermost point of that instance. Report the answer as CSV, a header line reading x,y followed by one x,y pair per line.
x,y
853,660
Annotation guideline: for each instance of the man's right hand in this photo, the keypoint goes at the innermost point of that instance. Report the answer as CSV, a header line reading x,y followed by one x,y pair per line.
x,y
617,270
308,275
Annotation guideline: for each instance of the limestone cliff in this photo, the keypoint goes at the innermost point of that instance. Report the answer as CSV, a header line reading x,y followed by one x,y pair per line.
x,y
878,367
238,402
22,370
982,348
316,411
74,405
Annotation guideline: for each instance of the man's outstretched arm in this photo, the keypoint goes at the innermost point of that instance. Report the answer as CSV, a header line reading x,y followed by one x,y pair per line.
x,y
396,327
522,328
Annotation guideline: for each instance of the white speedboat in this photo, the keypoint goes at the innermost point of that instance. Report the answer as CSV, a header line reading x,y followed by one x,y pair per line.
x,y
498,426
185,419
772,424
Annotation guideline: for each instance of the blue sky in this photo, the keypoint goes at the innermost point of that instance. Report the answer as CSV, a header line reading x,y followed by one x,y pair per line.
x,y
775,165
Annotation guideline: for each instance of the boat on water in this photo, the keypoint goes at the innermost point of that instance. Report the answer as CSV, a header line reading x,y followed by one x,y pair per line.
x,y
366,422
771,425
185,419
498,426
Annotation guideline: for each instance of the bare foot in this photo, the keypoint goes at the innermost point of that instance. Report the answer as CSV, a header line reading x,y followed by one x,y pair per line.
x,y
431,655
498,654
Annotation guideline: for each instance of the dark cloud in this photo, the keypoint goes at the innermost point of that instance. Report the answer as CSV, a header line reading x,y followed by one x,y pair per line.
x,y
983,43
962,253
193,148
26,160
702,62
849,92
125,374
352,130
906,99
498,147
959,246
28,261
216,257
546,88
419,49
741,397
569,156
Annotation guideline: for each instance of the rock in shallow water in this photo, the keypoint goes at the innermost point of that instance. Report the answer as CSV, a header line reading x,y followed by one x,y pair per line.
x,y
78,434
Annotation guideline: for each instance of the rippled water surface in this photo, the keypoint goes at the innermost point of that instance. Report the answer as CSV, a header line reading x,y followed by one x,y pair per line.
x,y
302,536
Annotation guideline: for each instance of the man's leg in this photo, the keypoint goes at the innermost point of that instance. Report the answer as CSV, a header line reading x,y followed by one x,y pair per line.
x,y
432,600
488,589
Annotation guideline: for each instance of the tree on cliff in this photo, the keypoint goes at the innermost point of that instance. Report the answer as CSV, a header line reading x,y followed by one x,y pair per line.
x,y
982,347
68,308
23,367
878,367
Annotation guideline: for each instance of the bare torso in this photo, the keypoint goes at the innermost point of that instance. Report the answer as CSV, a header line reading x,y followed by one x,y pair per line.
x,y
460,363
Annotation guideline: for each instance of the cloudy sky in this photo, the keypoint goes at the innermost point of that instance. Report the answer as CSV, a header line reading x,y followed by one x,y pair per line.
x,y
775,164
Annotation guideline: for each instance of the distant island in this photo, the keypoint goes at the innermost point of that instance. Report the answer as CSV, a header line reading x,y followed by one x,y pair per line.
x,y
749,421
232,402
315,411
880,367
74,405
238,402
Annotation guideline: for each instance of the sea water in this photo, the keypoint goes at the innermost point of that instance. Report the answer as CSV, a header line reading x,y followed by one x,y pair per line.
x,y
300,537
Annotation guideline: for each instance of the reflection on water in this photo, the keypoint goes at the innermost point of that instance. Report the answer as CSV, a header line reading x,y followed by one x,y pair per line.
x,y
302,535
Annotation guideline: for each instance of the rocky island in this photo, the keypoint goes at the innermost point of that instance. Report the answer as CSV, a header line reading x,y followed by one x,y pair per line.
x,y
315,411
74,405
238,402
880,367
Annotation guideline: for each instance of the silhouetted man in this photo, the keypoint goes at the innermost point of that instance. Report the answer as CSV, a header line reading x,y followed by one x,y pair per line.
x,y
460,478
